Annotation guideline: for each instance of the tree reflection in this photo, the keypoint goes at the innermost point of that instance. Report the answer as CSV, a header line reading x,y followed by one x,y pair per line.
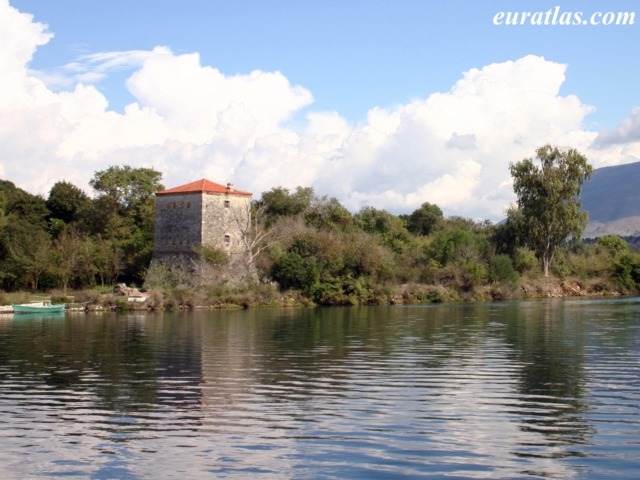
x,y
549,346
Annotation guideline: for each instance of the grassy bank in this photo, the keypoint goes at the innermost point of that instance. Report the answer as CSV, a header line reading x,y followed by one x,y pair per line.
x,y
347,293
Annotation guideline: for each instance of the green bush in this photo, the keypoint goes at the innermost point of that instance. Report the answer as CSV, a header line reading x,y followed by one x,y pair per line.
x,y
626,271
613,244
593,262
293,271
525,261
213,256
329,292
472,275
244,296
451,245
501,269
345,290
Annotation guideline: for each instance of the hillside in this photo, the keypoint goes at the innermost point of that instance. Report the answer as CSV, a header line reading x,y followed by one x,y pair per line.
x,y
612,198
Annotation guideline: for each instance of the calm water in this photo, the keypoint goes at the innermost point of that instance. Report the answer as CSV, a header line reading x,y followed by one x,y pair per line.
x,y
513,390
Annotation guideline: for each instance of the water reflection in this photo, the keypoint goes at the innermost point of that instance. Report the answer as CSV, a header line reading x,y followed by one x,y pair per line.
x,y
547,389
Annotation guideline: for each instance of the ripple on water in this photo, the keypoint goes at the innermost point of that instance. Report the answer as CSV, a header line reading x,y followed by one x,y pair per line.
x,y
500,392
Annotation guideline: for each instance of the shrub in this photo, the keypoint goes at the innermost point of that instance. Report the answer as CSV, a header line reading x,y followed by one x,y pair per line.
x,y
245,296
501,269
161,276
329,292
590,263
211,255
626,271
451,245
613,244
87,296
293,271
462,276
345,290
525,260
472,274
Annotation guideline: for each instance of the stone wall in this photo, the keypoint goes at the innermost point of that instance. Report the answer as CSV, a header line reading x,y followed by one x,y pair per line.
x,y
178,226
188,220
225,221
224,217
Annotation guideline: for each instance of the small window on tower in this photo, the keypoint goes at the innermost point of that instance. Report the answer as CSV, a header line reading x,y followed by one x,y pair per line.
x,y
227,240
227,204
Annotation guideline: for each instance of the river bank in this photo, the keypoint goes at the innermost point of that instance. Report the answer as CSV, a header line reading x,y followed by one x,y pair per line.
x,y
255,296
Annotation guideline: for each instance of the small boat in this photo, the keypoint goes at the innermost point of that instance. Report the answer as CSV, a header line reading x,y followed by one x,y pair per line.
x,y
40,307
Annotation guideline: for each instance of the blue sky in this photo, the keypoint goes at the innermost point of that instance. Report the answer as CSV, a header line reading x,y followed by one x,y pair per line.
x,y
348,58
352,54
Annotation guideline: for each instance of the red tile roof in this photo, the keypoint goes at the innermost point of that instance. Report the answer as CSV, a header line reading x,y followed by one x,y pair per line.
x,y
204,186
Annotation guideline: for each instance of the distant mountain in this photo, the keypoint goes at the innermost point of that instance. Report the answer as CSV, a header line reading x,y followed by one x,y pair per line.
x,y
612,198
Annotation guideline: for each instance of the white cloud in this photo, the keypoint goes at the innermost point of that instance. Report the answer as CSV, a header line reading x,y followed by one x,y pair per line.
x,y
190,120
628,131
95,67
620,145
19,37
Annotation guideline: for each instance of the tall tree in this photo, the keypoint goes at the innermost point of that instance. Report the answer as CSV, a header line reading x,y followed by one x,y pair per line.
x,y
107,260
25,253
72,258
67,202
24,239
425,219
126,185
124,211
128,193
549,199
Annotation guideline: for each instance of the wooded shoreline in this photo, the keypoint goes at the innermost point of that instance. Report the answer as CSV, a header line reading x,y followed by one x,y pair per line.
x,y
310,250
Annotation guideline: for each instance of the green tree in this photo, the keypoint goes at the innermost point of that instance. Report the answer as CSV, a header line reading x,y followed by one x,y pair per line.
x,y
38,258
329,214
22,206
389,227
26,253
24,239
67,202
124,211
106,259
425,219
548,199
125,200
453,245
279,202
126,185
613,244
626,270
72,258
3,205
507,236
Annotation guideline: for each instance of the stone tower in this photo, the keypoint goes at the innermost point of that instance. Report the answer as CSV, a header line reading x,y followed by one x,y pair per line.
x,y
203,213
